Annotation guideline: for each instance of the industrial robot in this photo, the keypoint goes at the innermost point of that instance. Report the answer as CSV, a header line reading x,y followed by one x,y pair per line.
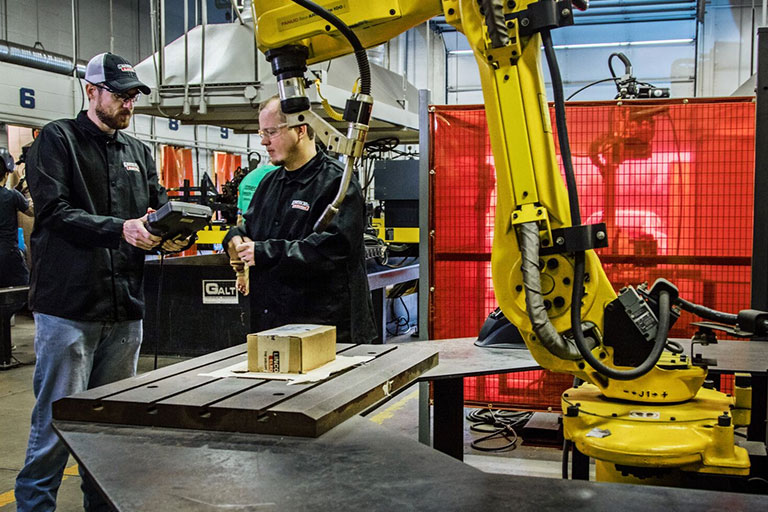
x,y
639,407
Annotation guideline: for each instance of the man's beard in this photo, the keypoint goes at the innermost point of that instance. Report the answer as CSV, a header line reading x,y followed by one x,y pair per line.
x,y
116,122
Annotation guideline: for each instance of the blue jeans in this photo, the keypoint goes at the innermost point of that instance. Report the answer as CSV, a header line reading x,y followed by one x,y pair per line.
x,y
72,356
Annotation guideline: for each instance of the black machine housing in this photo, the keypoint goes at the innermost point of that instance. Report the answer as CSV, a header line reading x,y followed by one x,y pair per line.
x,y
631,322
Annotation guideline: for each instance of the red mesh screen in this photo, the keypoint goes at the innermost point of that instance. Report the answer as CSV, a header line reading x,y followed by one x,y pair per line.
x,y
533,390
673,181
727,382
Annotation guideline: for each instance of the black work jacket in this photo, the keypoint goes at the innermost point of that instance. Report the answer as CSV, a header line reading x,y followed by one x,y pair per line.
x,y
85,184
11,201
301,276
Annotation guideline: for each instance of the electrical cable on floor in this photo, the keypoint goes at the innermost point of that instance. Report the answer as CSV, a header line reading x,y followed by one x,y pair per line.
x,y
497,425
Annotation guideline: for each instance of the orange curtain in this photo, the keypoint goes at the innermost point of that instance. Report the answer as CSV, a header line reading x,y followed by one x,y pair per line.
x,y
226,163
177,167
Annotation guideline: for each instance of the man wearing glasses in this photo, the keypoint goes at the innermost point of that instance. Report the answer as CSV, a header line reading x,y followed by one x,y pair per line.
x,y
297,275
92,186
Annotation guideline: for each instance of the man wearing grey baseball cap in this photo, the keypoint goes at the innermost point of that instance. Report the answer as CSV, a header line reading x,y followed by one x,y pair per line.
x,y
93,186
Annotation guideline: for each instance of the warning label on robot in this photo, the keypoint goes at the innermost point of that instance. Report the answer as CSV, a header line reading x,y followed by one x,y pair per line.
x,y
297,20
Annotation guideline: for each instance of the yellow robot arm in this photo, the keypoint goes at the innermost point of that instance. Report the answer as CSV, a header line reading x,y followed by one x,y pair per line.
x,y
541,252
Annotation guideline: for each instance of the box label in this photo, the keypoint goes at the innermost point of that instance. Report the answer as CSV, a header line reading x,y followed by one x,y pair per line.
x,y
219,291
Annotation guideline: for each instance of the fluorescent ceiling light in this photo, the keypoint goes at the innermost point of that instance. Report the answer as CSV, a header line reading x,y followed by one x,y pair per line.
x,y
658,42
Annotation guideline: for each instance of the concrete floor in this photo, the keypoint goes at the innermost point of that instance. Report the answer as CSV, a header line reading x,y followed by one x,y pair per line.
x,y
399,414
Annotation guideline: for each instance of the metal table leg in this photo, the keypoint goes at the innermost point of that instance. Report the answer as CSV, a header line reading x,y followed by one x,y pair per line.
x,y
425,432
756,430
579,465
379,300
449,420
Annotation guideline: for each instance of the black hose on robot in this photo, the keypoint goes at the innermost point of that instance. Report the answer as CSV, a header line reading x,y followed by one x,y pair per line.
x,y
581,343
659,342
562,129
707,313
360,54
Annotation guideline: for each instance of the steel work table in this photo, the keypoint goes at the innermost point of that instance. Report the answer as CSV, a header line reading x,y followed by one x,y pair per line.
x,y
377,283
742,356
342,468
460,358
356,466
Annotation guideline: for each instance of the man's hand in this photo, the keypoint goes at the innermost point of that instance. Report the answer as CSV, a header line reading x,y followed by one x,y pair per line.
x,y
233,243
135,233
175,245
245,252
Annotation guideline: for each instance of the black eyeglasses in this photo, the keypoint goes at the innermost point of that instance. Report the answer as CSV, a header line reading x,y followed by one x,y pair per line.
x,y
120,96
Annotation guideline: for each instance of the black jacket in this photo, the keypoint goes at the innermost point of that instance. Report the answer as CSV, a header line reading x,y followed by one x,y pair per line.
x,y
84,185
11,202
301,276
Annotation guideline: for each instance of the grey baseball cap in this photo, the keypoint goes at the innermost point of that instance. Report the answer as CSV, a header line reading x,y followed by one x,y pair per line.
x,y
116,73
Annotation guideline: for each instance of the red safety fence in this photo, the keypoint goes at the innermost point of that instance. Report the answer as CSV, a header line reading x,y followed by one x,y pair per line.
x,y
672,179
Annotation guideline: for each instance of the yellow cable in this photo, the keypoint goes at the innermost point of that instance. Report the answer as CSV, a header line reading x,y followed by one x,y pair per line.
x,y
327,106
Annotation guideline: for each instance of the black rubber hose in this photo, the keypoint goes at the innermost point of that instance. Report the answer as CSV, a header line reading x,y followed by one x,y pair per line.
x,y
658,345
580,257
624,60
705,312
360,54
562,129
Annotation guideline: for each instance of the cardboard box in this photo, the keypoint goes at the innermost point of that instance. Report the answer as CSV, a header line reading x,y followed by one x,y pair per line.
x,y
292,348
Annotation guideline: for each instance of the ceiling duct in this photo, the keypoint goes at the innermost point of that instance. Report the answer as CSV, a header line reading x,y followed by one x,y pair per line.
x,y
235,78
39,59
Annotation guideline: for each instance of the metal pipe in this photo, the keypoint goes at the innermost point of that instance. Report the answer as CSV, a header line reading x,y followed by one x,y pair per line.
x,y
154,98
430,69
759,292
38,59
696,60
401,59
161,18
237,11
203,108
185,109
74,36
111,29
73,68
